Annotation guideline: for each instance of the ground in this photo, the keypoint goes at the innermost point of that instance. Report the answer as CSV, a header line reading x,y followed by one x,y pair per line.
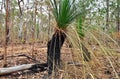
x,y
100,66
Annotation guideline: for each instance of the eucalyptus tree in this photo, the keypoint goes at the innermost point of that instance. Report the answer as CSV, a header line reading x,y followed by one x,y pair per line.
x,y
1,19
65,12
6,30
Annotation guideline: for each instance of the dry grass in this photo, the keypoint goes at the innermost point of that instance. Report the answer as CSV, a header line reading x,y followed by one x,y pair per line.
x,y
98,68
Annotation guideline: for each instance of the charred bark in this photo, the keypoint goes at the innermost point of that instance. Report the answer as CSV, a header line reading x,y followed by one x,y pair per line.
x,y
53,51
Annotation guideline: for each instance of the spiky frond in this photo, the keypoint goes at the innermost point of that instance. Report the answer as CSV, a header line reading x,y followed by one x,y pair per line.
x,y
64,11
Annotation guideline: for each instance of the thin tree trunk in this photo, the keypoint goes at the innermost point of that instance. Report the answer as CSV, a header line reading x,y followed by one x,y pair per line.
x,y
24,33
118,15
49,18
6,33
33,28
41,23
53,51
12,29
107,15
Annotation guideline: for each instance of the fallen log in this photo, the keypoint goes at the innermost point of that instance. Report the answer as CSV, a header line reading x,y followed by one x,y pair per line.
x,y
34,67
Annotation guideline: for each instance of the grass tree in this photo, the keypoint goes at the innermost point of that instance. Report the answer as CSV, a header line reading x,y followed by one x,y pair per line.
x,y
65,12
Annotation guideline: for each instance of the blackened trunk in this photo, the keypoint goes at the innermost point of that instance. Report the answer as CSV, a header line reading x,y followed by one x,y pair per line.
x,y
53,52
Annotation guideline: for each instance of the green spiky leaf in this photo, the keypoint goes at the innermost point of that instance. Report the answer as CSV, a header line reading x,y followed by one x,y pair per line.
x,y
64,11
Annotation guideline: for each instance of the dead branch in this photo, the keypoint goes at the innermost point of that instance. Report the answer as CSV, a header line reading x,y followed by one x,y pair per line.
x,y
20,55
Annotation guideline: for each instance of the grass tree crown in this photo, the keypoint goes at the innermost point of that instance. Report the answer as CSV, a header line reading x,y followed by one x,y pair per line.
x,y
64,11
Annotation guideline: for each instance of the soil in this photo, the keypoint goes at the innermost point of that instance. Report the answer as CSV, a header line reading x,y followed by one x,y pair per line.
x,y
99,65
